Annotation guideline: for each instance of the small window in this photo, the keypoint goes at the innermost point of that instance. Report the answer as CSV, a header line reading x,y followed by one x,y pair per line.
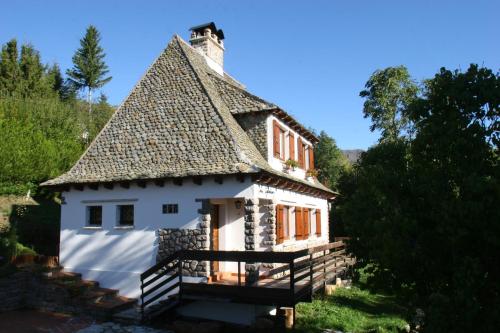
x,y
282,143
125,215
170,209
94,216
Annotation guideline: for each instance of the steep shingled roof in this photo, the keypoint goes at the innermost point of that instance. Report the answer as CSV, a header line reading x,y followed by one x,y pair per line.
x,y
175,123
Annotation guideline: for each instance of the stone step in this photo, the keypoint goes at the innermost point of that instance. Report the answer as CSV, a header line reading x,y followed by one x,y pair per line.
x,y
97,295
107,308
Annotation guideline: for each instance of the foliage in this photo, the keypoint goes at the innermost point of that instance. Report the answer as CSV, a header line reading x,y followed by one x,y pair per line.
x,y
89,69
24,250
423,211
351,310
24,76
329,160
388,93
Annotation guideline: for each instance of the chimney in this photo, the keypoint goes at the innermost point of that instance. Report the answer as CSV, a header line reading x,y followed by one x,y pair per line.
x,y
209,41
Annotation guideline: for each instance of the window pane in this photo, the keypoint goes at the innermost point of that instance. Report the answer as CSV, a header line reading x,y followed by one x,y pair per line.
x,y
126,215
94,215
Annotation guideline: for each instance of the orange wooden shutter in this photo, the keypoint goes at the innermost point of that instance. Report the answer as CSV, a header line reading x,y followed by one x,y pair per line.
x,y
298,223
291,143
305,220
311,158
276,139
279,224
318,222
300,149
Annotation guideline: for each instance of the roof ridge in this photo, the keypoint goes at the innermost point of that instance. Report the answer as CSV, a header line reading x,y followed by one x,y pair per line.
x,y
246,92
219,105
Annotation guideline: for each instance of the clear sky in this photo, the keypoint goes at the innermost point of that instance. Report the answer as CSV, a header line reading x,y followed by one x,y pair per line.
x,y
312,58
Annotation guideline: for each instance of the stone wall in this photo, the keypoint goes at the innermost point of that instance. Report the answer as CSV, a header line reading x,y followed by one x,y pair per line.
x,y
174,239
256,127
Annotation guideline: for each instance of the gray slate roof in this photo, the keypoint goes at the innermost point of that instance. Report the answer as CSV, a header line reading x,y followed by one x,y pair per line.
x,y
176,122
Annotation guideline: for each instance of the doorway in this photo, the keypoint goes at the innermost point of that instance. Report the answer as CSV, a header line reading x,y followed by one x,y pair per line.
x,y
214,236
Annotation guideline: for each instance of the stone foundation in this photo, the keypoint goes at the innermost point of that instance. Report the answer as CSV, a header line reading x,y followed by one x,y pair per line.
x,y
251,269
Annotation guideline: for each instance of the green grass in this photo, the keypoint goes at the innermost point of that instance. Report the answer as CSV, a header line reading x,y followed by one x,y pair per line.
x,y
351,310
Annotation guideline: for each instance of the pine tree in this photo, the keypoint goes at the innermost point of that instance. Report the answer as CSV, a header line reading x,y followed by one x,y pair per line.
x,y
9,68
32,73
89,69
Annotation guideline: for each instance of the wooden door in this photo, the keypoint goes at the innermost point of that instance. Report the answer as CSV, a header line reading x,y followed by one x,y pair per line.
x,y
214,235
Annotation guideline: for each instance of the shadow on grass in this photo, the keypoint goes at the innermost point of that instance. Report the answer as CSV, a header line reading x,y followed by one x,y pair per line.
x,y
380,305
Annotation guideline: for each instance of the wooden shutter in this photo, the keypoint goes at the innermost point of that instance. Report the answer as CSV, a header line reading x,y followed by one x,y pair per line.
x,y
318,222
279,224
300,149
291,144
276,139
311,158
305,220
299,233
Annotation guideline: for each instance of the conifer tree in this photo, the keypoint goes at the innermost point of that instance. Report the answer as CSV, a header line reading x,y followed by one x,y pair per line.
x,y
9,68
89,69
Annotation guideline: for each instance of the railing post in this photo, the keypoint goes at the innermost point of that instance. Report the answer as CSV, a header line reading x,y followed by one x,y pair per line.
x,y
311,272
239,273
179,263
292,282
324,269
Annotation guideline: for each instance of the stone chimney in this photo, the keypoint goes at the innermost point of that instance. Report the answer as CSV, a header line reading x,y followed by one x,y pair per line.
x,y
209,41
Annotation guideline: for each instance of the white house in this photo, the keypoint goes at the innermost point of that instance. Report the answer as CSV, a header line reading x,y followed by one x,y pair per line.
x,y
190,160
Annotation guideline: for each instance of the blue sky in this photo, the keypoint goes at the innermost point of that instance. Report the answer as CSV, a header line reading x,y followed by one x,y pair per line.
x,y
310,57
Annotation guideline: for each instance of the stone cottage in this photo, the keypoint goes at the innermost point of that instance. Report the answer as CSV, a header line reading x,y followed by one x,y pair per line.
x,y
190,160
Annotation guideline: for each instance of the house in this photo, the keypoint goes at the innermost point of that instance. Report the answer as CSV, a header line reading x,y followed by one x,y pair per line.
x,y
190,160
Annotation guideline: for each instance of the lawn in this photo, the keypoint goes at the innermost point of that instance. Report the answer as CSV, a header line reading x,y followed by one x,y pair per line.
x,y
351,310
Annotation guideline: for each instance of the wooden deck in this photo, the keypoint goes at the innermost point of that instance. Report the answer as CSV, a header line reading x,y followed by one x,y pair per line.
x,y
294,278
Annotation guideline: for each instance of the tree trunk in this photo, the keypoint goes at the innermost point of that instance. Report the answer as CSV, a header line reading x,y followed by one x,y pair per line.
x,y
89,100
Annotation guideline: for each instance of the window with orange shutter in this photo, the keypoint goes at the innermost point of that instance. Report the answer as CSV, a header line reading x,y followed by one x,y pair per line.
x,y
318,222
291,148
276,139
305,221
311,158
299,233
300,150
279,224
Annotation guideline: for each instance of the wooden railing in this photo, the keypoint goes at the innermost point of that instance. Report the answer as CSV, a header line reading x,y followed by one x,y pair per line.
x,y
294,277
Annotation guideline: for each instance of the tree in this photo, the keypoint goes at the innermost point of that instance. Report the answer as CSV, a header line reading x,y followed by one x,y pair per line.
x,y
388,93
9,68
424,212
89,69
329,160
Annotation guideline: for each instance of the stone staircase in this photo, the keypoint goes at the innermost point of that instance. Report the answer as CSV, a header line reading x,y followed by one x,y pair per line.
x,y
85,296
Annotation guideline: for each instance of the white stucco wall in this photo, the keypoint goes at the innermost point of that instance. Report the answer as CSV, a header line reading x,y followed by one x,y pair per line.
x,y
116,257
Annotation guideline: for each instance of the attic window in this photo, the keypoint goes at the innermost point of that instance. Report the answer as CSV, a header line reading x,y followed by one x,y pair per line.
x,y
170,209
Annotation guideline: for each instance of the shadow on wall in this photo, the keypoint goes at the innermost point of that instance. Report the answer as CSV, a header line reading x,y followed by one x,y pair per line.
x,y
38,225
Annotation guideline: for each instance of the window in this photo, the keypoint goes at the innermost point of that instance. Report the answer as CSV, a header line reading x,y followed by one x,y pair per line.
x,y
170,209
281,142
125,215
291,144
318,222
94,216
299,227
305,220
282,223
301,151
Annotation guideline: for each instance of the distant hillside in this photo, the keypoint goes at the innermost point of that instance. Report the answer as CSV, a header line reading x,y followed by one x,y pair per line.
x,y
353,155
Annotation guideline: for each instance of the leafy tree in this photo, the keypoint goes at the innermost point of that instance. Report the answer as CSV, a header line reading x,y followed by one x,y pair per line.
x,y
329,160
89,69
424,212
388,93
